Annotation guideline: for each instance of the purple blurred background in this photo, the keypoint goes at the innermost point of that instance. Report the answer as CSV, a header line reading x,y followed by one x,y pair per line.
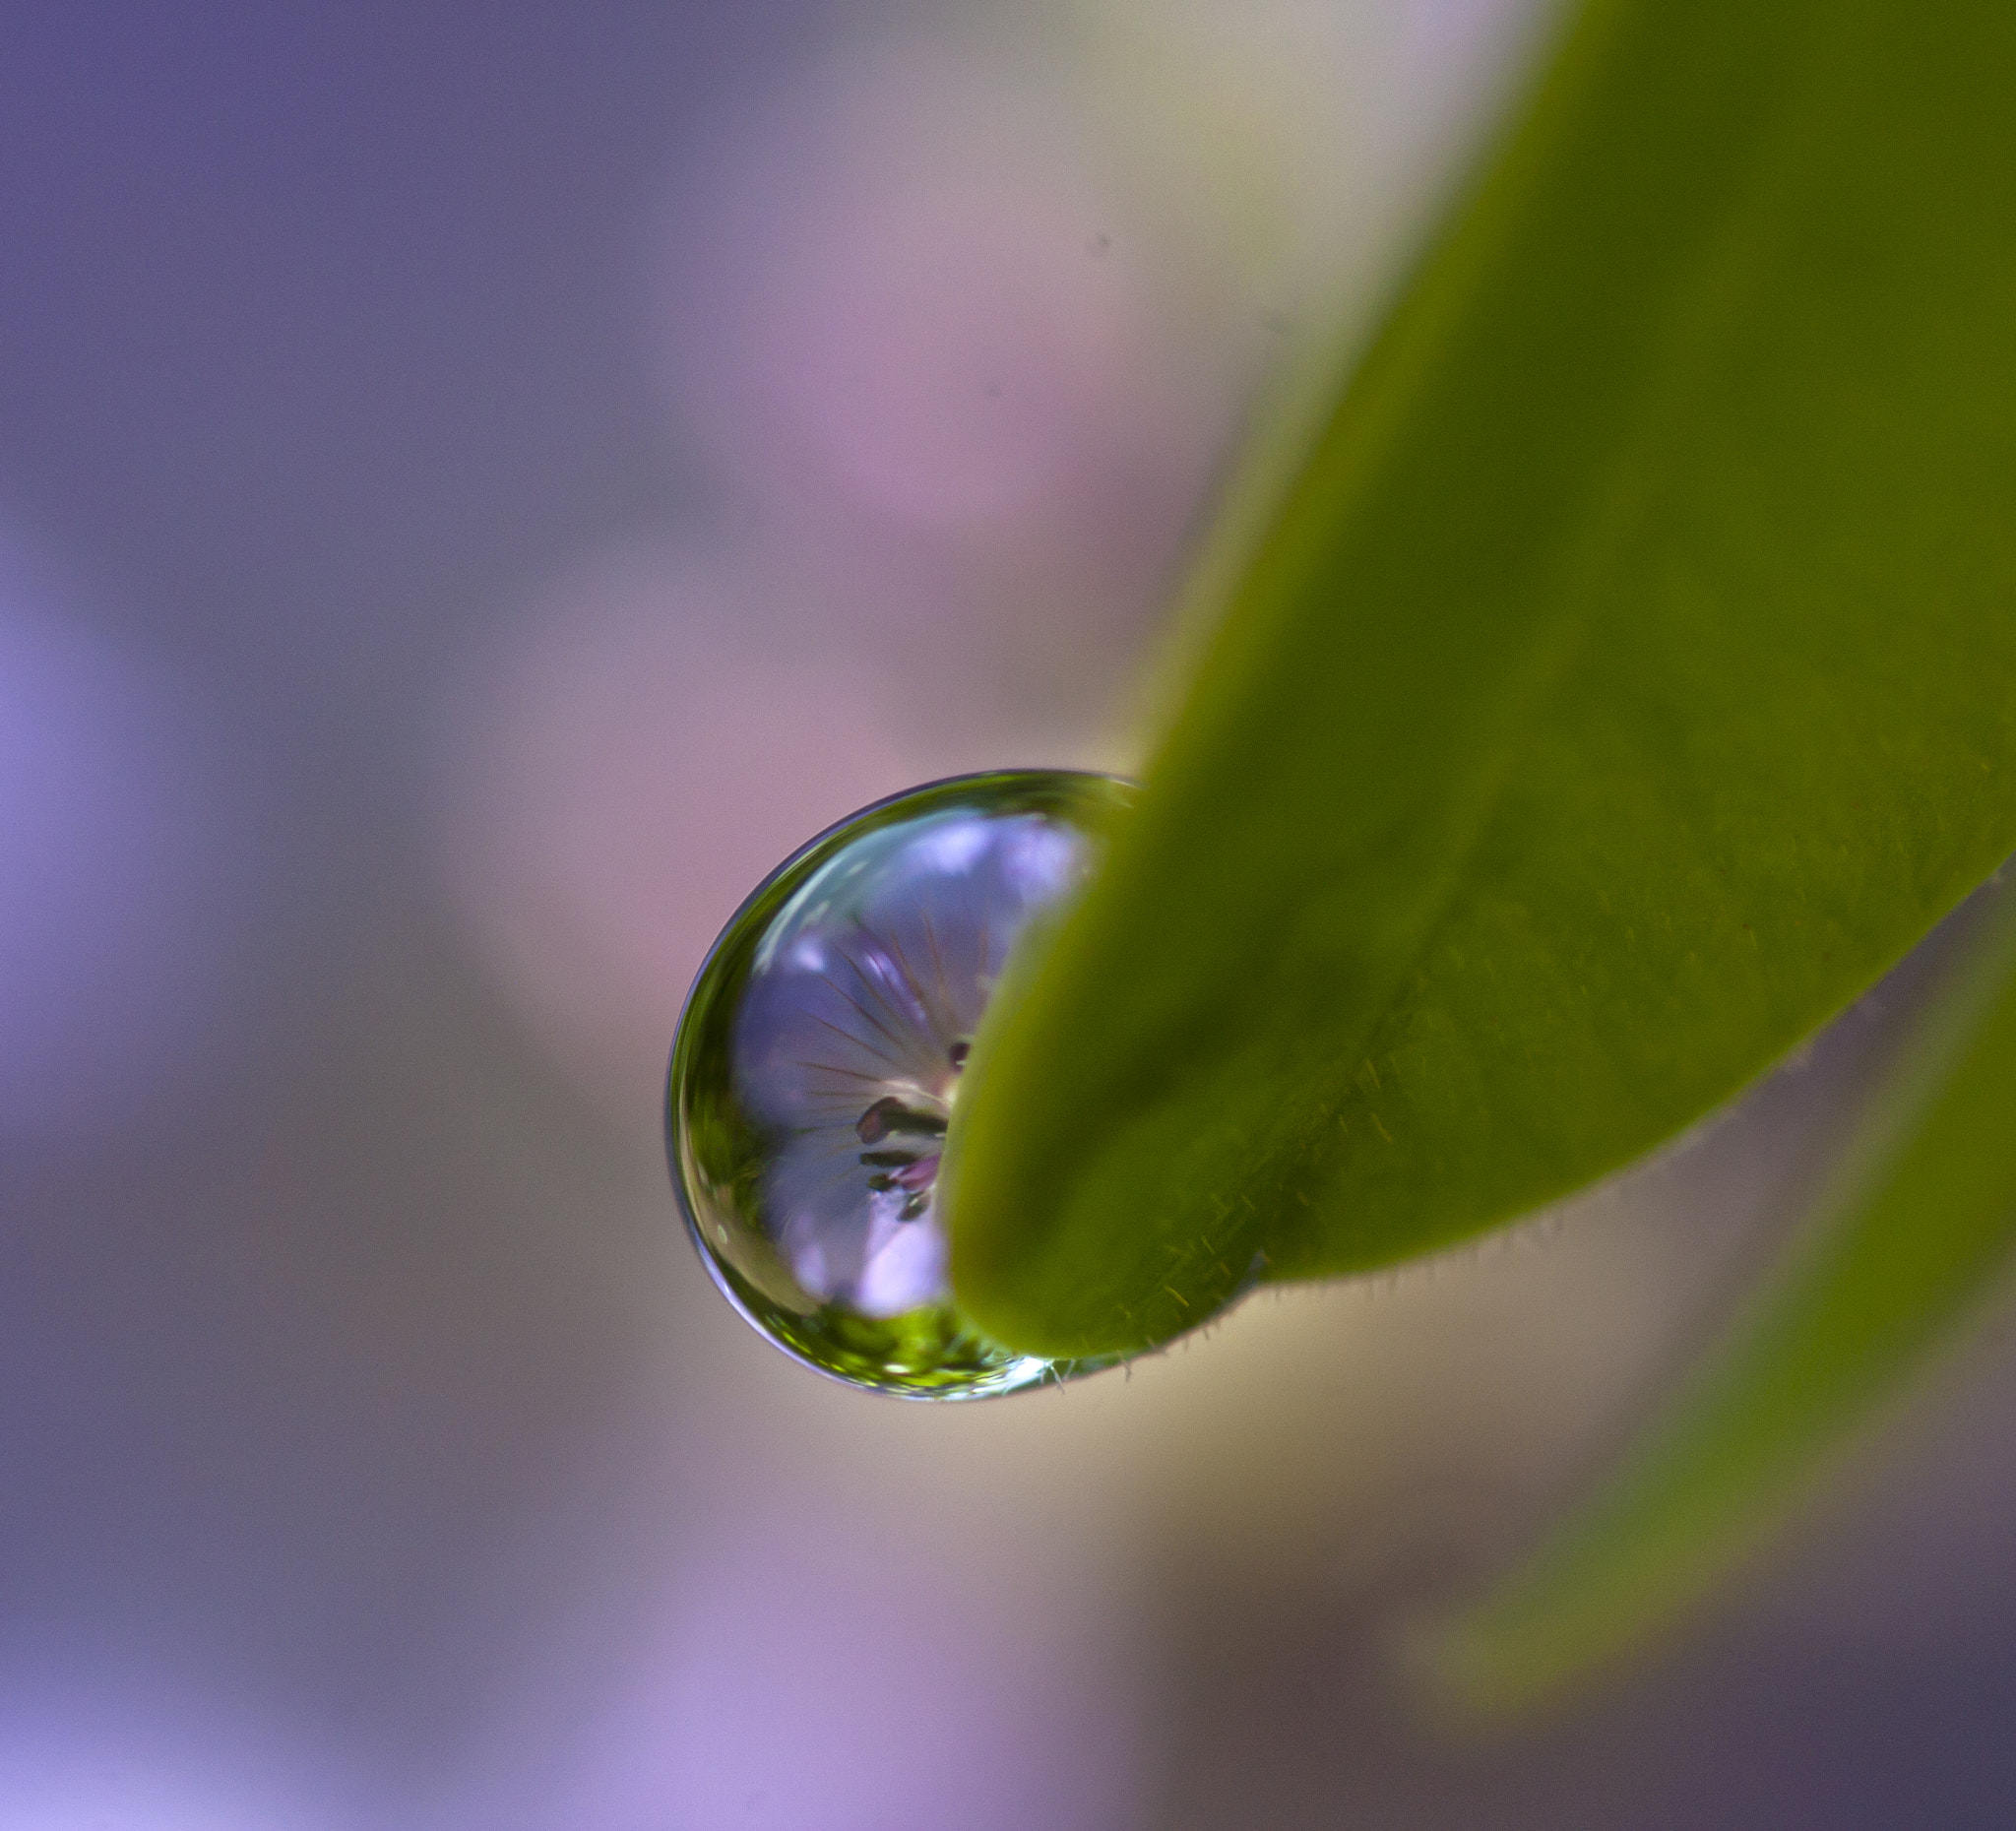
x,y
477,486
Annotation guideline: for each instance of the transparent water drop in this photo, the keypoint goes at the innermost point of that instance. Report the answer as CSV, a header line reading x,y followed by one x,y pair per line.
x,y
818,1060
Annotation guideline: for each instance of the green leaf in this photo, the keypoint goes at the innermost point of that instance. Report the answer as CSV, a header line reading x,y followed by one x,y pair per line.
x,y
1913,1236
1627,682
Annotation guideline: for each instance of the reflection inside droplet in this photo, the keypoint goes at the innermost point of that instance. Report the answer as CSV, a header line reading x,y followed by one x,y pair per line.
x,y
820,1054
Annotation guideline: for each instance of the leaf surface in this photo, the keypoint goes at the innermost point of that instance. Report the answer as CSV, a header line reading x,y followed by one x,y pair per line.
x,y
1628,679
1920,1229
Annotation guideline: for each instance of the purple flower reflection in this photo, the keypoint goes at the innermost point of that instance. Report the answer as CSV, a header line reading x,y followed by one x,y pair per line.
x,y
816,1065
860,1007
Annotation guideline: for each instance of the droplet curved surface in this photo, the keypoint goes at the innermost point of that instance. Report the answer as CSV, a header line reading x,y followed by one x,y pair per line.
x,y
819,1057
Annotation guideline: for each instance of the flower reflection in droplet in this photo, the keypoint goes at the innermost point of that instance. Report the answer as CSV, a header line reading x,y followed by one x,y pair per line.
x,y
820,1055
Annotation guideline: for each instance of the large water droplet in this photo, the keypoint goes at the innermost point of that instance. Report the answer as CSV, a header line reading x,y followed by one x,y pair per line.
x,y
819,1056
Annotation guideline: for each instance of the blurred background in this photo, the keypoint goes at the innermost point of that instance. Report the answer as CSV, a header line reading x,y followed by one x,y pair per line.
x,y
477,486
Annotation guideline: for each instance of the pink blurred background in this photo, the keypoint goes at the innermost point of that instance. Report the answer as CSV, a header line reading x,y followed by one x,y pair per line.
x,y
478,487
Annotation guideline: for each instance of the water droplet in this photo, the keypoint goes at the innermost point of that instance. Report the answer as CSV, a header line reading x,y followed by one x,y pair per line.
x,y
819,1057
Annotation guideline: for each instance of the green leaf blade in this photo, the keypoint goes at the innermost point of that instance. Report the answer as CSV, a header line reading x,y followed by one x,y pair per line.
x,y
1629,682
1916,1235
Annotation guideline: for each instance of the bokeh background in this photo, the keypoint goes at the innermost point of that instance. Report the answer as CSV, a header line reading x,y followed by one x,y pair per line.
x,y
478,484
